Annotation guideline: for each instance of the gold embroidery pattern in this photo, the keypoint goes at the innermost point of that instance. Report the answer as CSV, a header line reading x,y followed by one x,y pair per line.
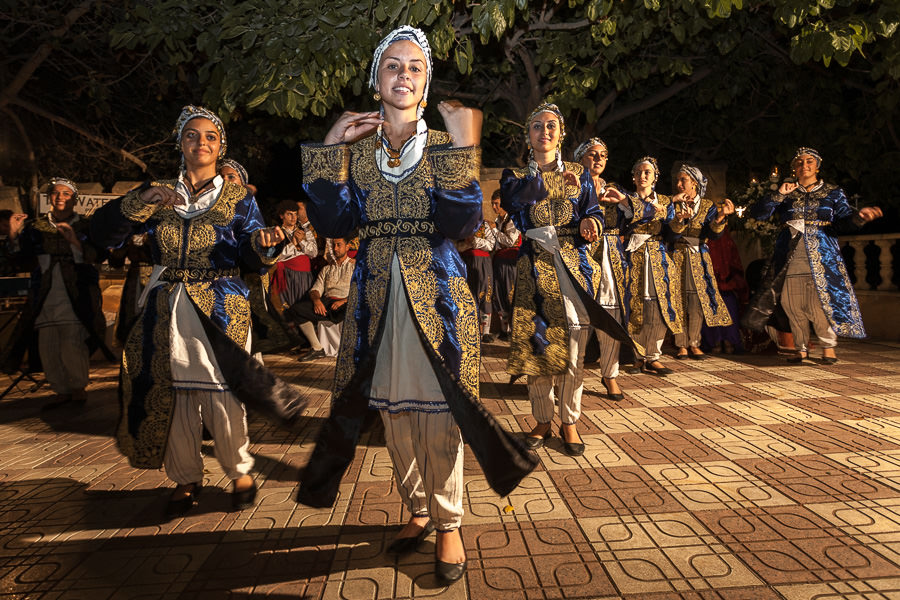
x,y
364,170
198,274
238,310
134,209
379,256
850,328
325,162
695,265
467,334
202,294
148,449
455,168
391,228
636,287
421,286
540,213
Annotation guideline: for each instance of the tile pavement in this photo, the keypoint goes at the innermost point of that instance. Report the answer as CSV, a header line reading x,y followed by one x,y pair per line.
x,y
735,478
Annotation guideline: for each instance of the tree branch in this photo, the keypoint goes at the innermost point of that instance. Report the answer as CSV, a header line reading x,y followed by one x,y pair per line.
x,y
652,100
41,54
32,161
66,123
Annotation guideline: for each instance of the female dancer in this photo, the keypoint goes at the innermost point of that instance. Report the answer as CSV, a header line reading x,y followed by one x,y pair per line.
x,y
610,254
703,219
653,293
410,191
554,205
806,272
186,353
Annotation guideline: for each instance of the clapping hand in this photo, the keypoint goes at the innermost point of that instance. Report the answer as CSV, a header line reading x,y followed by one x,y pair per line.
x,y
462,123
352,126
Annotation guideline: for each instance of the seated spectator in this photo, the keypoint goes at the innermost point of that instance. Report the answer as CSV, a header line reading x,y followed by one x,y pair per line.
x,y
327,298
293,274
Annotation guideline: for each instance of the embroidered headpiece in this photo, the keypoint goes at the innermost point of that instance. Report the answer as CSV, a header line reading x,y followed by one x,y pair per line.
x,y
238,167
64,182
581,150
697,175
650,161
811,152
190,112
411,34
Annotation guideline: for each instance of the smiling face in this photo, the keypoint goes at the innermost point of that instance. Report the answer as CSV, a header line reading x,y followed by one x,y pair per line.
x,y
200,143
402,75
594,160
230,175
644,176
806,168
685,184
543,133
62,201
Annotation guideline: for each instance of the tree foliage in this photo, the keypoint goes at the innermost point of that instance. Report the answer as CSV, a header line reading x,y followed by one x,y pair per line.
x,y
736,81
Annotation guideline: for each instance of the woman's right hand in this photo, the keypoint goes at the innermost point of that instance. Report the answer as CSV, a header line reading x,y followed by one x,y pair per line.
x,y
352,126
161,196
787,187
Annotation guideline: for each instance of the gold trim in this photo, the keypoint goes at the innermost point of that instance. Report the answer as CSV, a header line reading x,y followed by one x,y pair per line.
x,y
330,163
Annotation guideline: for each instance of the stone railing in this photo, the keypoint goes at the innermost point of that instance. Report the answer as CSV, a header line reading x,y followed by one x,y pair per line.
x,y
872,261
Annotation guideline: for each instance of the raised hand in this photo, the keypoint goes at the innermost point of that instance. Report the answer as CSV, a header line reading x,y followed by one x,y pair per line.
x,y
870,213
462,123
787,187
161,196
588,229
270,236
352,126
68,234
611,196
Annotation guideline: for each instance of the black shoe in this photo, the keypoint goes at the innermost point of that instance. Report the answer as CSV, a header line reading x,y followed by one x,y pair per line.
x,y
632,369
829,360
179,507
513,379
798,358
447,573
681,356
405,545
662,371
244,499
571,448
615,397
503,336
312,355
696,356
533,443
487,338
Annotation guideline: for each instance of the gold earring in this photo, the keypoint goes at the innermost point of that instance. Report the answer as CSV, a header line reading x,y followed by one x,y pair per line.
x,y
423,103
377,97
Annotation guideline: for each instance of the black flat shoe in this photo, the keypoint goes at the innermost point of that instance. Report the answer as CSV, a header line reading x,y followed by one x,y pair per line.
x,y
180,507
700,356
312,355
609,395
571,448
405,545
513,379
447,573
244,499
632,369
533,443
681,356
799,358
661,371
829,360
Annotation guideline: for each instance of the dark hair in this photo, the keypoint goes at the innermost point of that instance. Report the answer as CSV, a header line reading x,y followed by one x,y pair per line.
x,y
495,194
5,214
284,206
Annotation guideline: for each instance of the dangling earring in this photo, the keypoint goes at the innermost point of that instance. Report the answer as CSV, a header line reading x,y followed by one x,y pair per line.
x,y
377,97
423,103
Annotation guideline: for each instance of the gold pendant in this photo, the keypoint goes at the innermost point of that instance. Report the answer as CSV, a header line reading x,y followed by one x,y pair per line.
x,y
393,162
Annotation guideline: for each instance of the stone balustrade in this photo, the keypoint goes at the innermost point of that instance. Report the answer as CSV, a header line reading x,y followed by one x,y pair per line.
x,y
872,260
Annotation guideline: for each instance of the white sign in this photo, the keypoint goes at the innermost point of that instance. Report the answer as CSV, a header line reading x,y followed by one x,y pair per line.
x,y
86,205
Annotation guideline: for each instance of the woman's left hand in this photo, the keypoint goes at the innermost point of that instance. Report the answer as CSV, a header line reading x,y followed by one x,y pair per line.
x,y
589,230
870,213
462,123
270,236
724,209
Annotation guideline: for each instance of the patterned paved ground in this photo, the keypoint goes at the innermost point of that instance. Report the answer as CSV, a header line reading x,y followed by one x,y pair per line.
x,y
730,479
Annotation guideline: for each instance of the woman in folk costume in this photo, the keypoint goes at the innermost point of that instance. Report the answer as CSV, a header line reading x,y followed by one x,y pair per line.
x,y
64,314
610,254
410,191
806,273
554,205
653,293
703,219
187,352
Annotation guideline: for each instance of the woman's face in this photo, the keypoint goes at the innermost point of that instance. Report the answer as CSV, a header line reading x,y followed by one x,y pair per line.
x,y
685,184
62,199
805,167
594,160
644,175
402,75
200,143
230,175
543,132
